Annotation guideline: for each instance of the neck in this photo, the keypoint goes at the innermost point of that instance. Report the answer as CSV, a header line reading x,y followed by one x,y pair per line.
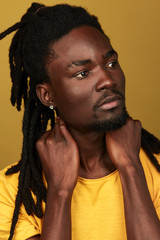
x,y
94,159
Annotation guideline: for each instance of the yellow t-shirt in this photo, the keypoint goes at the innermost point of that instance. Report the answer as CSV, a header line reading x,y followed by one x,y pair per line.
x,y
97,206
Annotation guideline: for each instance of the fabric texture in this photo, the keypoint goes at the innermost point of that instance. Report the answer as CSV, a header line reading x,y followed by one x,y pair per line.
x,y
97,206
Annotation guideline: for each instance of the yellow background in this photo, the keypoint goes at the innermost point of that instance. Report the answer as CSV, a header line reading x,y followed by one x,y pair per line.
x,y
133,27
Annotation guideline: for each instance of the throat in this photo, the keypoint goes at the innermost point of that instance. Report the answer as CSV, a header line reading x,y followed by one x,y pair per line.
x,y
94,159
94,169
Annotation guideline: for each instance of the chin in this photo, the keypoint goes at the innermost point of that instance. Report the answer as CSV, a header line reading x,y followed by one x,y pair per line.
x,y
114,122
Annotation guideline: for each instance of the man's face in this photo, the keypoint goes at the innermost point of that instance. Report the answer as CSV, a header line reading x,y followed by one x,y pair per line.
x,y
87,82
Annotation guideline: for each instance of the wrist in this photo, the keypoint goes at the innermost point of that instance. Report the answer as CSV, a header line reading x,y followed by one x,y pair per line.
x,y
59,193
132,176
133,168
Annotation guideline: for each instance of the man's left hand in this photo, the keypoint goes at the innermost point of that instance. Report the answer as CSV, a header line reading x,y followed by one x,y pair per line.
x,y
123,144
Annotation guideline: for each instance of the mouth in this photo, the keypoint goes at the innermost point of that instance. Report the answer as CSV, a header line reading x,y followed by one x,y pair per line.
x,y
110,102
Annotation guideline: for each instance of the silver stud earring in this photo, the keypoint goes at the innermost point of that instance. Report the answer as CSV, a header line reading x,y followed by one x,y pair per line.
x,y
51,107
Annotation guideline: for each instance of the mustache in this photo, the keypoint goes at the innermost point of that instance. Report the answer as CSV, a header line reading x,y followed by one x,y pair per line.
x,y
107,94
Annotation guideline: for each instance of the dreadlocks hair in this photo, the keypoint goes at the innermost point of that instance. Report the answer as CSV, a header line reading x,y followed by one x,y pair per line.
x,y
29,52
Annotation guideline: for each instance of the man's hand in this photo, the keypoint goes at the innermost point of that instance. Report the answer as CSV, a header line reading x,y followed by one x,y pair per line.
x,y
123,145
59,158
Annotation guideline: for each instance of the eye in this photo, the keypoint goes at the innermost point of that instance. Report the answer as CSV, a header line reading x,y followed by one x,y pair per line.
x,y
82,74
112,64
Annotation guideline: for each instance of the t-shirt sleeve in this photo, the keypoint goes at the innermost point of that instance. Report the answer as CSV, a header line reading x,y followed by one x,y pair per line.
x,y
157,198
26,226
157,202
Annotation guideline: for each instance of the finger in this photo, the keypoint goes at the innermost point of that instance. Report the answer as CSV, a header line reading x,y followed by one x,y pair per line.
x,y
49,139
42,140
137,121
57,133
45,135
129,120
138,124
64,131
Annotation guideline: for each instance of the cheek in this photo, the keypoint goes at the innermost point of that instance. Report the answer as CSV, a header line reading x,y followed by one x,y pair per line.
x,y
72,100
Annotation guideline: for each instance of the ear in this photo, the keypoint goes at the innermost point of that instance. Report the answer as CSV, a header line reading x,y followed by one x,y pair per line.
x,y
45,94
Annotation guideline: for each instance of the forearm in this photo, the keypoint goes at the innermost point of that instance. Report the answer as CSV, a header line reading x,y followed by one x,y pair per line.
x,y
57,218
141,219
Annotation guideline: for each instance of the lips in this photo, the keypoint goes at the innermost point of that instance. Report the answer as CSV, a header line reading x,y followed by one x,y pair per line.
x,y
110,99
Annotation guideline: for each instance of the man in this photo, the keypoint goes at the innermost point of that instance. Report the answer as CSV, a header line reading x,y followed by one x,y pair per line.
x,y
100,185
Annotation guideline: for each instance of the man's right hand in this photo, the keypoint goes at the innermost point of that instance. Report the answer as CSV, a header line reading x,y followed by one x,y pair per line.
x,y
59,157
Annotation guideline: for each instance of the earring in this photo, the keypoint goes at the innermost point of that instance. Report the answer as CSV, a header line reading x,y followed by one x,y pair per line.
x,y
51,107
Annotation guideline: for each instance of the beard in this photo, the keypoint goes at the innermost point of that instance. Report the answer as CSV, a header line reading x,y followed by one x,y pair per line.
x,y
109,124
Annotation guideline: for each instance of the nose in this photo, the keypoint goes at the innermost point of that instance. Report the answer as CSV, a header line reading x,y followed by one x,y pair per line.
x,y
104,80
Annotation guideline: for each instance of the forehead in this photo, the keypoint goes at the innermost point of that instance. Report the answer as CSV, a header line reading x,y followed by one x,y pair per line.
x,y
80,43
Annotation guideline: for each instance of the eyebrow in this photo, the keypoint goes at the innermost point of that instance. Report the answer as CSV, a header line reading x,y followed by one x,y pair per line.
x,y
110,54
79,63
86,61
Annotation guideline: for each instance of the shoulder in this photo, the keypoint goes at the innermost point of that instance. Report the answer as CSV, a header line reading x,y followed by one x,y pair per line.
x,y
146,161
8,188
9,177
27,225
147,164
8,184
151,173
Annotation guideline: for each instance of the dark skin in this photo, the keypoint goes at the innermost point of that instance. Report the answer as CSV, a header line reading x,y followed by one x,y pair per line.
x,y
81,91
75,91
